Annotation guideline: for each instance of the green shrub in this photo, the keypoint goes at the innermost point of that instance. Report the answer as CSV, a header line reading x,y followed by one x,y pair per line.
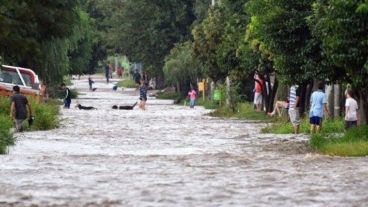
x,y
5,136
5,106
46,115
127,83
353,143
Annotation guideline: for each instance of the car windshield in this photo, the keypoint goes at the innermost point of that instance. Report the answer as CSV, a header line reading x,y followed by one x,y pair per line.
x,y
12,77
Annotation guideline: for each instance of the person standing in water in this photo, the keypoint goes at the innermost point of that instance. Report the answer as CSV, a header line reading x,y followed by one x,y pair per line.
x,y
142,95
192,94
19,108
68,97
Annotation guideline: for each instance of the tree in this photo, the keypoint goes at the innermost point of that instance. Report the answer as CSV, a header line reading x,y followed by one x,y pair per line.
x,y
342,26
207,37
82,46
35,34
181,68
148,30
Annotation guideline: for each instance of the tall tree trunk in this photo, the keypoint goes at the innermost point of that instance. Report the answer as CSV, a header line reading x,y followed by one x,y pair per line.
x,y
304,98
329,95
336,111
273,95
363,112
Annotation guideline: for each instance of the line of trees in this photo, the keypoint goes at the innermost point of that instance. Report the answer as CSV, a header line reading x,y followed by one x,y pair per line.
x,y
53,37
298,42
182,40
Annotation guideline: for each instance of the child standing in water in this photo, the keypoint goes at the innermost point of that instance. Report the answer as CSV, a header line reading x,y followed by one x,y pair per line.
x,y
142,95
192,94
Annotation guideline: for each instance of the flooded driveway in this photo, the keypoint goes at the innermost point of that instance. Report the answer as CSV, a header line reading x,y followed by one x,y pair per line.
x,y
170,156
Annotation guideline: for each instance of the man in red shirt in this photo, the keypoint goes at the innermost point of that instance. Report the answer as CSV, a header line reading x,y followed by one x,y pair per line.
x,y
258,98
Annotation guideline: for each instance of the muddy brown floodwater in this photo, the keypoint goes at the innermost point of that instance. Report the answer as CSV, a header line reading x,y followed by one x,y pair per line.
x,y
170,156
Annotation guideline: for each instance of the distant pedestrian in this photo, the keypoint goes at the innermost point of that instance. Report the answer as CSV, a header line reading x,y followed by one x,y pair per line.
x,y
111,70
258,88
143,95
192,94
90,83
318,106
19,109
294,101
107,73
137,77
351,110
67,97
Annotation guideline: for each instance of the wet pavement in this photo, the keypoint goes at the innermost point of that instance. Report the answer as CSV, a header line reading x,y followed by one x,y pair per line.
x,y
170,155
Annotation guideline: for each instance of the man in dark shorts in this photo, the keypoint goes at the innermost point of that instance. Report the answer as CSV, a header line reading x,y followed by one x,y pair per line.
x,y
318,108
68,97
142,95
18,108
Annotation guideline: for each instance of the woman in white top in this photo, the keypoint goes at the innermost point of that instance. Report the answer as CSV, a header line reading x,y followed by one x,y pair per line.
x,y
351,110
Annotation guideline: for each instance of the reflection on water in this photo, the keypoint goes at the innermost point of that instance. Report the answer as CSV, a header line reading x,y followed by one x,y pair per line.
x,y
171,156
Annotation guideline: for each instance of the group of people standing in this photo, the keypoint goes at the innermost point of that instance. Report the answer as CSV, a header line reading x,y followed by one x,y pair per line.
x,y
318,108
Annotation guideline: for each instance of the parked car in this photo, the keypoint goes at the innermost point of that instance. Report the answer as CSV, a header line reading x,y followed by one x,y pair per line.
x,y
25,78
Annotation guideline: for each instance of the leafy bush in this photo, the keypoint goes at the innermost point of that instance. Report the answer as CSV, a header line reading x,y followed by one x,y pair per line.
x,y
4,106
5,136
353,143
46,115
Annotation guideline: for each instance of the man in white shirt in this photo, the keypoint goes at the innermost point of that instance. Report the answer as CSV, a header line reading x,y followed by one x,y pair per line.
x,y
351,110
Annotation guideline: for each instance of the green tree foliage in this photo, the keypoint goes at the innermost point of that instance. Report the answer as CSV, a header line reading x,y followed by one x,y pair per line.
x,y
82,46
207,38
35,34
181,68
147,30
201,10
342,25
282,27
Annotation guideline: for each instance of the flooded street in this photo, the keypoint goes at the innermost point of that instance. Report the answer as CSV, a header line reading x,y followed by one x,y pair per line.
x,y
170,156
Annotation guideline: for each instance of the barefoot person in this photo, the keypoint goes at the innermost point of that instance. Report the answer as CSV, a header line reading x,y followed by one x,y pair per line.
x,y
279,106
19,108
142,95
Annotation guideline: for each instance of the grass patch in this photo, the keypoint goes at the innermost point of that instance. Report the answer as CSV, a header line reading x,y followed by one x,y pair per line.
x,y
354,143
242,111
169,95
285,127
127,83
